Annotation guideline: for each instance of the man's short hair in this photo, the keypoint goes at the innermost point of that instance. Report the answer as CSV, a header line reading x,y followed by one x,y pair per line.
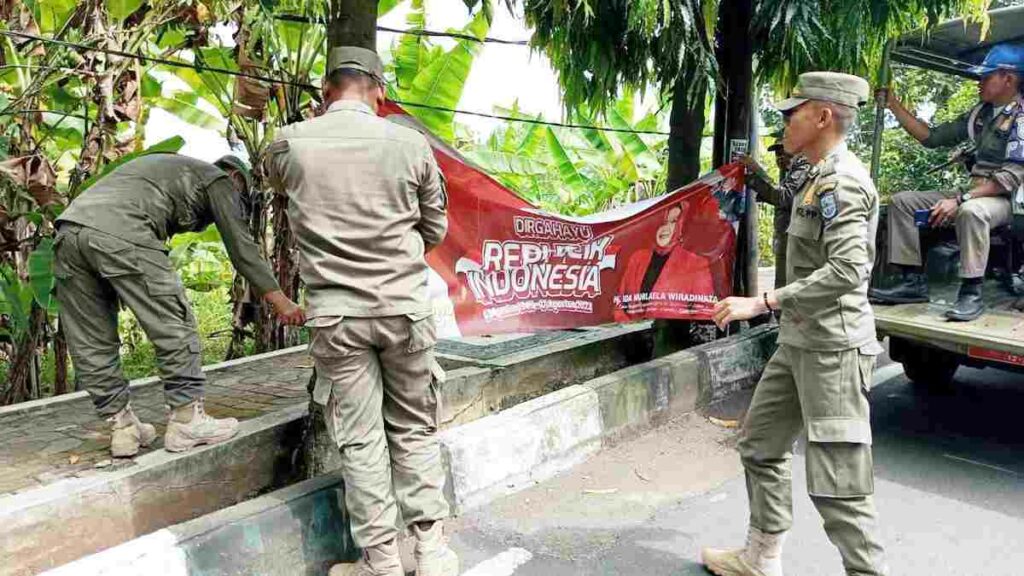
x,y
844,116
346,78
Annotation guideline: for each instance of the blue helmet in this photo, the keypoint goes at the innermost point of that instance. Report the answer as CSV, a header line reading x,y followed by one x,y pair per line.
x,y
1002,57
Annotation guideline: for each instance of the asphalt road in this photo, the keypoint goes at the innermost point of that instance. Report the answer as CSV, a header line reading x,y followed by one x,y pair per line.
x,y
949,488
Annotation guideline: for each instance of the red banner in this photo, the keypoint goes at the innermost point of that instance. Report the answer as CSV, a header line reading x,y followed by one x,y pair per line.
x,y
508,266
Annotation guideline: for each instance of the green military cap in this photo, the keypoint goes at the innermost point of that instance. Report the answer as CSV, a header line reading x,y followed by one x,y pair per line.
x,y
356,58
835,87
232,162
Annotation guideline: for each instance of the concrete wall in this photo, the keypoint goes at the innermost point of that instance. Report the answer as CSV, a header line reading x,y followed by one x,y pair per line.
x,y
302,529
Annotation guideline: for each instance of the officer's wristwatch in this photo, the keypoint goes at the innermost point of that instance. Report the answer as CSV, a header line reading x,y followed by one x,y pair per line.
x,y
963,197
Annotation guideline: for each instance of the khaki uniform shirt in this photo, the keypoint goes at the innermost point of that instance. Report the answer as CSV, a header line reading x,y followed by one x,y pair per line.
x,y
990,139
830,253
149,199
366,199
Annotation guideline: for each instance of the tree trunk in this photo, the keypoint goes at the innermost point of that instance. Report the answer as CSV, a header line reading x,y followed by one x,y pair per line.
x,y
22,366
353,23
60,355
734,113
686,122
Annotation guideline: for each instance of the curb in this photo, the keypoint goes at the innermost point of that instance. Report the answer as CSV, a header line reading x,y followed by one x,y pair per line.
x,y
44,527
534,441
306,524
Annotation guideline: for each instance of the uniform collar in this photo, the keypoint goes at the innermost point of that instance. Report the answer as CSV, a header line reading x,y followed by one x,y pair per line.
x,y
840,148
353,105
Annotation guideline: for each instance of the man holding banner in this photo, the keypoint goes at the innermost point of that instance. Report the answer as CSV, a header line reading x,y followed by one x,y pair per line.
x,y
819,378
366,201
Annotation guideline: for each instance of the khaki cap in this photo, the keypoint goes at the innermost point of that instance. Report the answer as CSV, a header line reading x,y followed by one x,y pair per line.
x,y
836,87
356,58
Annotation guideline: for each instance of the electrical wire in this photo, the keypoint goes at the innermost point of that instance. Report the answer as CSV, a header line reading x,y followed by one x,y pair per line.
x,y
308,86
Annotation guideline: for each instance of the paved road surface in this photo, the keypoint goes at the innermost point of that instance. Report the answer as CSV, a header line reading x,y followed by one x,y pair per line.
x,y
949,482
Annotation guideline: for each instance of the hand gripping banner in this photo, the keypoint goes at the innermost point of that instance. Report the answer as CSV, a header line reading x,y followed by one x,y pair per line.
x,y
508,266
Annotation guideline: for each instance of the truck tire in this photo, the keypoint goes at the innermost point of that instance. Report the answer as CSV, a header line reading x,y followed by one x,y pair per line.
x,y
930,368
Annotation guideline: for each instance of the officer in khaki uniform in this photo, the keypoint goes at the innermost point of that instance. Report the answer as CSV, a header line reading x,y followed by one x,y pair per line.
x,y
791,178
818,379
995,128
111,248
366,202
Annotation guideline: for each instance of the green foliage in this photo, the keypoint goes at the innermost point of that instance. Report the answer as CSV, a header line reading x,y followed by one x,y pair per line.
x,y
599,46
51,15
432,76
905,163
201,260
15,305
121,9
796,36
572,171
41,276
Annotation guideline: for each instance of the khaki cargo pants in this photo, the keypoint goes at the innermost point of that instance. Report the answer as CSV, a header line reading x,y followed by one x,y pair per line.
x,y
974,223
826,394
378,380
95,271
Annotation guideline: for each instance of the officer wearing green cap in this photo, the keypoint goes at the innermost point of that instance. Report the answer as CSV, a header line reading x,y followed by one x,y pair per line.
x,y
111,249
778,196
817,381
995,130
366,202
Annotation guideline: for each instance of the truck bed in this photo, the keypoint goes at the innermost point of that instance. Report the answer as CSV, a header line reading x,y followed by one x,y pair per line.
x,y
998,335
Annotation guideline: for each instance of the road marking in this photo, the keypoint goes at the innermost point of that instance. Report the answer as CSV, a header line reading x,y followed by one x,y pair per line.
x,y
983,465
503,564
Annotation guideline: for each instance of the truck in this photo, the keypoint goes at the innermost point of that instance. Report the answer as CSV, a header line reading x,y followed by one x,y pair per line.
x,y
929,347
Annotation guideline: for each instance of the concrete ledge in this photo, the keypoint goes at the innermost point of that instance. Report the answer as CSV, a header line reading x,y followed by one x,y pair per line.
x,y
514,449
524,445
486,459
301,529
50,526
36,405
44,527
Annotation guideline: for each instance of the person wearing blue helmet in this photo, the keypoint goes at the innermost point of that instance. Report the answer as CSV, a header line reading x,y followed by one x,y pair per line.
x,y
995,128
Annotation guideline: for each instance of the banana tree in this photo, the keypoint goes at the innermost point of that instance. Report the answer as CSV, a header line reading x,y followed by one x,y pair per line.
x,y
572,170
68,108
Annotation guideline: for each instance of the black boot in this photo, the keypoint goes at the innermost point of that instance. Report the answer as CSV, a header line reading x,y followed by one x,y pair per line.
x,y
969,304
912,287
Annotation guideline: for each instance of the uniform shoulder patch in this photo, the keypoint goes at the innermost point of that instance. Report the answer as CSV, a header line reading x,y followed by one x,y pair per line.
x,y
828,202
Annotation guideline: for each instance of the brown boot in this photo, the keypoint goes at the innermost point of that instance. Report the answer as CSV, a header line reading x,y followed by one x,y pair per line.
x,y
433,556
128,433
380,560
191,426
762,556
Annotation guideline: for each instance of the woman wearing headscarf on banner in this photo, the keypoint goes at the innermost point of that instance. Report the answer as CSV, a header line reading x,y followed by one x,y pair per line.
x,y
668,268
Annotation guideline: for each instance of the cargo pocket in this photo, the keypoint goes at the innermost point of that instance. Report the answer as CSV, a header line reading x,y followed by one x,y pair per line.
x,y
114,257
60,268
867,355
422,332
160,277
839,469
